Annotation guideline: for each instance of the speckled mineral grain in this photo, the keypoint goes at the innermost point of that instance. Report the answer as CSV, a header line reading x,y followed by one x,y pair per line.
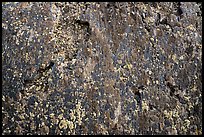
x,y
101,68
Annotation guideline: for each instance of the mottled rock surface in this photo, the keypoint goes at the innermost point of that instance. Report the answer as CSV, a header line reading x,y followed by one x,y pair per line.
x,y
101,68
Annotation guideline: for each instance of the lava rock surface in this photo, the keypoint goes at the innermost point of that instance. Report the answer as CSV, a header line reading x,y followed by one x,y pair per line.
x,y
101,68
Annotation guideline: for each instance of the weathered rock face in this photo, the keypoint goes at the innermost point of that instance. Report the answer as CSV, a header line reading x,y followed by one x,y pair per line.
x,y
101,68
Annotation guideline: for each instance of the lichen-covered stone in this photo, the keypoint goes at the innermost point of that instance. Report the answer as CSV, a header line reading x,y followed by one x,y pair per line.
x,y
101,68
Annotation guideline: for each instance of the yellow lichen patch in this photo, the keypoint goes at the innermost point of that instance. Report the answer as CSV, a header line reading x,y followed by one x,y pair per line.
x,y
186,123
71,125
83,113
157,82
63,124
183,129
38,88
174,130
148,81
31,114
181,57
187,98
79,121
76,115
152,39
180,33
95,88
51,115
123,78
162,51
168,114
198,132
78,106
175,114
32,125
3,98
60,116
194,88
128,66
165,113
145,106
190,27
119,61
174,58
21,117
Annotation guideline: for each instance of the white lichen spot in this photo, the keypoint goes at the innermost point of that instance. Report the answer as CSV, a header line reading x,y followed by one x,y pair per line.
x,y
5,26
31,35
89,68
117,113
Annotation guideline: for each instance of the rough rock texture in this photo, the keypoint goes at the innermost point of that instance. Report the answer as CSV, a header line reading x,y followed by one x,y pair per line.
x,y
101,68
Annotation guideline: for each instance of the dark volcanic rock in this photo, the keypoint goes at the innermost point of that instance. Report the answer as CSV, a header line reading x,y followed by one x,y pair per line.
x,y
101,68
